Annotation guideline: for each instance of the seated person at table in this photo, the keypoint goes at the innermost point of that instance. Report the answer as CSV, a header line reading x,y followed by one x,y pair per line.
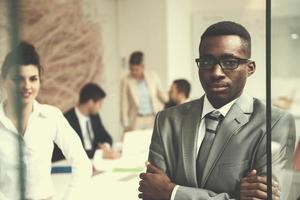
x,y
86,121
179,92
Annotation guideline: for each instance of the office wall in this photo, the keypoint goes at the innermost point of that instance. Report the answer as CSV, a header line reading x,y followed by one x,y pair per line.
x,y
179,58
104,12
142,26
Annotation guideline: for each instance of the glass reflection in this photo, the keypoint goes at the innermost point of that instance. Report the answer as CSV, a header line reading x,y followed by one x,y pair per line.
x,y
41,126
285,92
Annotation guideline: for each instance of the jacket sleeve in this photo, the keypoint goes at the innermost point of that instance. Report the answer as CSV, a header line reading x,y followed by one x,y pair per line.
x,y
160,93
283,140
283,144
124,103
101,135
71,146
297,157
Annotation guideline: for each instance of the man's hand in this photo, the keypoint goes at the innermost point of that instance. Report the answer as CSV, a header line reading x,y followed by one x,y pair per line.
x,y
155,184
108,152
255,187
111,154
128,129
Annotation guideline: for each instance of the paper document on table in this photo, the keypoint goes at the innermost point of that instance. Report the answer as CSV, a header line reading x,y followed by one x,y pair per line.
x,y
129,177
137,143
134,153
126,169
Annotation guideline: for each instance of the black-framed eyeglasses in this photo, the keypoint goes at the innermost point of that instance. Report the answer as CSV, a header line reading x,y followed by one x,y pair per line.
x,y
225,63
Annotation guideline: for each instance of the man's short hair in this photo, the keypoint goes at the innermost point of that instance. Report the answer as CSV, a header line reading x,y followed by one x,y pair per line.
x,y
229,28
91,91
23,54
183,86
136,58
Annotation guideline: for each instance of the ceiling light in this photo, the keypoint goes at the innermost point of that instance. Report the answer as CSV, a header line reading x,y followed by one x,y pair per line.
x,y
294,36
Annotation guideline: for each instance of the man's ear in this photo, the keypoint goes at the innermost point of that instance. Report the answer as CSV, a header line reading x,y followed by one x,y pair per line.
x,y
251,67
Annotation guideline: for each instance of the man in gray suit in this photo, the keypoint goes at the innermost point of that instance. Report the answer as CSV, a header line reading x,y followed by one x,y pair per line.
x,y
215,147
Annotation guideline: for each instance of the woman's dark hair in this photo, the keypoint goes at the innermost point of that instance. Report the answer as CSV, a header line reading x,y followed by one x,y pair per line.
x,y
23,54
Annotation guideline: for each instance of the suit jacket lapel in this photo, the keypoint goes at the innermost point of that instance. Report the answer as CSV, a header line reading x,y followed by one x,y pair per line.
x,y
133,89
237,116
75,124
151,87
189,134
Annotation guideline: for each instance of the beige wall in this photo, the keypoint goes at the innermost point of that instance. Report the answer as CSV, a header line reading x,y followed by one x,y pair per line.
x,y
179,47
142,26
105,13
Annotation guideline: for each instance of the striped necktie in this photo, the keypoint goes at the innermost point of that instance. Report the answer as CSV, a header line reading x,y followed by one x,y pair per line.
x,y
212,121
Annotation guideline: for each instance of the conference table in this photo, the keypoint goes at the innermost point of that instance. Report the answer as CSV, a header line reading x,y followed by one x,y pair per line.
x,y
119,179
115,179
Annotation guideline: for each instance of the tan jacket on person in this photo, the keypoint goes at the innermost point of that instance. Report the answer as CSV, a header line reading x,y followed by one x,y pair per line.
x,y
130,98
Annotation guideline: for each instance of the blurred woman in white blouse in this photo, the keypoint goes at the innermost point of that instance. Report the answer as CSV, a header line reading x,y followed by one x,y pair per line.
x,y
41,125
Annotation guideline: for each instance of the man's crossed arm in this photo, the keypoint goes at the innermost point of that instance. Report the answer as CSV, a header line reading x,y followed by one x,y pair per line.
x,y
156,185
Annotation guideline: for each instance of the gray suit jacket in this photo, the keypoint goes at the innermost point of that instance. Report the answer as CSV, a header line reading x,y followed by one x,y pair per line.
x,y
239,146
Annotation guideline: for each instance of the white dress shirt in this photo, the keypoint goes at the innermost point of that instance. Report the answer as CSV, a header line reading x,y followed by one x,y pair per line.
x,y
145,104
207,108
87,135
46,125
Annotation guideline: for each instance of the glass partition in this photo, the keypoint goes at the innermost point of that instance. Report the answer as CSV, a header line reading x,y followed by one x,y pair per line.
x,y
285,42
12,155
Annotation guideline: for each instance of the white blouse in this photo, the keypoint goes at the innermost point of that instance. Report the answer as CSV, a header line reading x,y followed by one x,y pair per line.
x,y
46,125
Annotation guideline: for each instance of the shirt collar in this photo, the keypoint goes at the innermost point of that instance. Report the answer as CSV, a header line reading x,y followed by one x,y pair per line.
x,y
207,107
37,111
185,101
80,115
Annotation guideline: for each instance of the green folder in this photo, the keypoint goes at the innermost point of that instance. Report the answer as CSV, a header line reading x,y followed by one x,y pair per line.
x,y
128,169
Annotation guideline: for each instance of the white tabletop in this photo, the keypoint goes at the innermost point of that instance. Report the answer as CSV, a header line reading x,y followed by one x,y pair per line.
x,y
119,178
